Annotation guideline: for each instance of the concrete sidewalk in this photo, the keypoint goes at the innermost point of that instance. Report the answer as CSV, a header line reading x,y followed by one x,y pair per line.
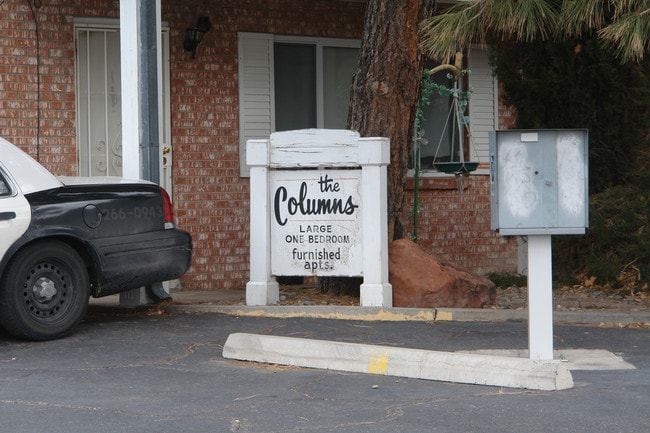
x,y
232,302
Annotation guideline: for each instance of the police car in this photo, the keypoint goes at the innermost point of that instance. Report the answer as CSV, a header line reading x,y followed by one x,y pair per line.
x,y
65,239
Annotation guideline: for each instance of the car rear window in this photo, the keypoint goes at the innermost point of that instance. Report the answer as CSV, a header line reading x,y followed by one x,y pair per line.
x,y
4,186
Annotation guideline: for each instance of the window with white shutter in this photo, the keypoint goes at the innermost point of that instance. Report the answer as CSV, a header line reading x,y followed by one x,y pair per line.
x,y
288,82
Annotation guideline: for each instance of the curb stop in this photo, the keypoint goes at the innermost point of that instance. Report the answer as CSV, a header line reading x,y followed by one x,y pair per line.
x,y
546,375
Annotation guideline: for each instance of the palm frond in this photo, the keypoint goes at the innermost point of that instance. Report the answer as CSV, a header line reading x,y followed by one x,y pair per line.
x,y
622,24
445,34
622,7
475,22
520,20
577,16
628,35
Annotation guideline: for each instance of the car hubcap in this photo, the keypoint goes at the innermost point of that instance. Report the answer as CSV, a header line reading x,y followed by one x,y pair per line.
x,y
44,290
46,287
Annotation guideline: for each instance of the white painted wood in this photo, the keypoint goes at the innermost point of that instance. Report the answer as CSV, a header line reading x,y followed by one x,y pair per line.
x,y
262,288
540,298
314,148
164,169
482,112
321,148
255,51
166,148
374,155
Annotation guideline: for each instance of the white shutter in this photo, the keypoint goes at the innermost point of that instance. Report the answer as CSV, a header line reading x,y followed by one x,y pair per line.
x,y
255,90
482,104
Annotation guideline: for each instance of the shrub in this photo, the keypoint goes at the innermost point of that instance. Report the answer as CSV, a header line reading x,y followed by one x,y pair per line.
x,y
505,280
616,247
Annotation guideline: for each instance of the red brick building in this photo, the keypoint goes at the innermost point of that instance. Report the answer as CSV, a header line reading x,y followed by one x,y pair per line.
x,y
59,101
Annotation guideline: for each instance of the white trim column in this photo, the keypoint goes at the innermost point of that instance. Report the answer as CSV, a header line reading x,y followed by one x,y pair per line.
x,y
262,288
374,157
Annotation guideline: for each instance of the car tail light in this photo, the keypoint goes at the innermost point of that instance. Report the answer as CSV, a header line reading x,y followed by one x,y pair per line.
x,y
168,209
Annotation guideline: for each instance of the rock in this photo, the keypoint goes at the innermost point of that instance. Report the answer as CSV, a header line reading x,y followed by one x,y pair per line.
x,y
420,279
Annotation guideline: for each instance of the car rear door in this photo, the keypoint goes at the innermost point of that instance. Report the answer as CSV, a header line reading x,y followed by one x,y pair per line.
x,y
15,213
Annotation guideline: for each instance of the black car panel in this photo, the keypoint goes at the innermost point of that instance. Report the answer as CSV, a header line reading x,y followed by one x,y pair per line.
x,y
65,239
130,261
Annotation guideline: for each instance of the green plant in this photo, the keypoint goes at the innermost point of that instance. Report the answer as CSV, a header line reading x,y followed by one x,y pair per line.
x,y
616,247
503,280
427,87
580,84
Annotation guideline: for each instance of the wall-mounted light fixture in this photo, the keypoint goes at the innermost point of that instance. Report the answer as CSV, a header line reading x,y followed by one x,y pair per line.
x,y
193,35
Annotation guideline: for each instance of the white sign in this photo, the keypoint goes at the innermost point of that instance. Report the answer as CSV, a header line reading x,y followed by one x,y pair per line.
x,y
315,224
318,207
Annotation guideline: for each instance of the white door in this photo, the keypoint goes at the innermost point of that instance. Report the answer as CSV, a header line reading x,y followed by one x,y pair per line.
x,y
99,109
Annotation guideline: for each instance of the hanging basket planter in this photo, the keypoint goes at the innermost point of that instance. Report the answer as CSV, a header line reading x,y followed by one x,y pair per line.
x,y
456,167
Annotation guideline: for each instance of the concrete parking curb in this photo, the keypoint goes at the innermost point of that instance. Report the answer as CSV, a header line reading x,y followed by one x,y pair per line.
x,y
610,318
402,362
314,312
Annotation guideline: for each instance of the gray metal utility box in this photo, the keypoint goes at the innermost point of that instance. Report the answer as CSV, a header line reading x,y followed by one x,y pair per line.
x,y
539,181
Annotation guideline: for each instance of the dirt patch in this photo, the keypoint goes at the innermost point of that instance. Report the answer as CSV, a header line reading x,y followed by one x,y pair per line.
x,y
564,298
577,298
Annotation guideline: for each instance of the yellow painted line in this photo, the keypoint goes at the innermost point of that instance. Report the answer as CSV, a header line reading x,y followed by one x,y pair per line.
x,y
378,364
380,315
445,315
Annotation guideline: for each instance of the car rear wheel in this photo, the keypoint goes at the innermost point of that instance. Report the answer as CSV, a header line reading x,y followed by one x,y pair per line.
x,y
44,292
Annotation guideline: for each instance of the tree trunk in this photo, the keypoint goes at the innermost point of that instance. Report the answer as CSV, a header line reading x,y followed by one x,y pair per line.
x,y
383,98
385,88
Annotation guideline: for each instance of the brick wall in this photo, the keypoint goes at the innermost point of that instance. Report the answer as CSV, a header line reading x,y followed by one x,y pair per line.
x,y
455,224
210,199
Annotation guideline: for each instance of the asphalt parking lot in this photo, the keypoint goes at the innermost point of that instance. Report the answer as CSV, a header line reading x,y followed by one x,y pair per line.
x,y
164,372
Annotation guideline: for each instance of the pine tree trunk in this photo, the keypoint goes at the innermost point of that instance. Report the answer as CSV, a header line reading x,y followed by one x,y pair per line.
x,y
383,99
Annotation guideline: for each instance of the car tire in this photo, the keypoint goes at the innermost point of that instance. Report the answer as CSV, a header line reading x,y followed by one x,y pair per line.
x,y
44,292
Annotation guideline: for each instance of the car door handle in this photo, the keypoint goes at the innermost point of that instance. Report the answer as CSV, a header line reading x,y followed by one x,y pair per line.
x,y
7,216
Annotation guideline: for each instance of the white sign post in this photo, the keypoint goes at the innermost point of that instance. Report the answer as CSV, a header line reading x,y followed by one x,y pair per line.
x,y
318,208
540,297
